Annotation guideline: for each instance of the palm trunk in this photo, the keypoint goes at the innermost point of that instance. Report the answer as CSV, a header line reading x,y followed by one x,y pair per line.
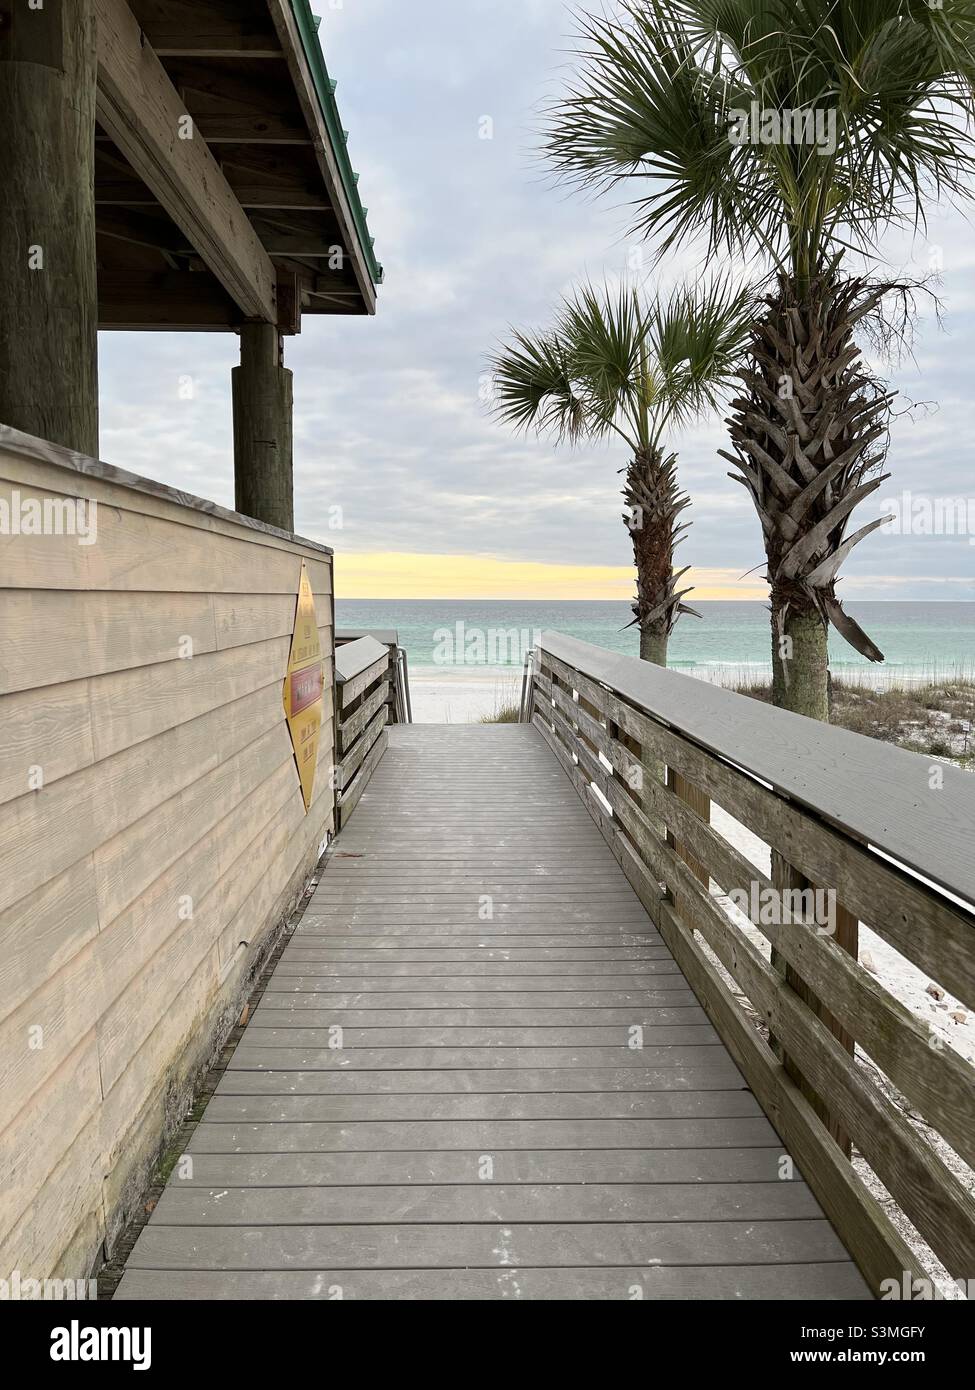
x,y
653,646
810,437
655,503
800,660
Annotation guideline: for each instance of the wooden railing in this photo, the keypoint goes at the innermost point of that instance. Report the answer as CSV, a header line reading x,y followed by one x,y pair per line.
x,y
888,839
400,702
363,691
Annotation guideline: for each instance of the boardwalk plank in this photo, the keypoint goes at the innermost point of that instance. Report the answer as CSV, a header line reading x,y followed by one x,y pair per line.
x,y
277,1170
334,1136
484,1246
487,1202
803,1282
718,1101
471,1081
257,1058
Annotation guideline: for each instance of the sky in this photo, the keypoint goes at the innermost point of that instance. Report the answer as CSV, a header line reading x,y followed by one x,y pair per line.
x,y
398,465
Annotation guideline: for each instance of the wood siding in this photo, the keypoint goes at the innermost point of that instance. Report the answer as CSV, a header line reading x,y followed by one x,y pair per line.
x,y
141,881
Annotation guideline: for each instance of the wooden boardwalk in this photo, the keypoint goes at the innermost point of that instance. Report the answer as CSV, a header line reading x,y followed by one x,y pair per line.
x,y
443,1093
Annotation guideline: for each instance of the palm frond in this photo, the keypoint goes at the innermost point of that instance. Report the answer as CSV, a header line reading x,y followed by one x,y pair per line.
x,y
614,363
533,388
702,333
663,84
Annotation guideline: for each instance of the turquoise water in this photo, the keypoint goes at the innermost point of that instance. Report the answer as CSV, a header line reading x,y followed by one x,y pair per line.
x,y
917,638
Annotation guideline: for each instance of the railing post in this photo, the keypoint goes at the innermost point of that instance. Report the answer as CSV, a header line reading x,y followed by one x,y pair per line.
x,y
699,802
786,878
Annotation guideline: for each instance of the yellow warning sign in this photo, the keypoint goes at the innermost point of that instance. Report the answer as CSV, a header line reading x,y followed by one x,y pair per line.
x,y
304,688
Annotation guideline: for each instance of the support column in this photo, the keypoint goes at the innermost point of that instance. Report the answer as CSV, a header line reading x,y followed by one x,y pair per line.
x,y
48,280
263,407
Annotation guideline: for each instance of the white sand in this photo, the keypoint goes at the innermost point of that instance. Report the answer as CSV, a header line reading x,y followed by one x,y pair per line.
x,y
459,696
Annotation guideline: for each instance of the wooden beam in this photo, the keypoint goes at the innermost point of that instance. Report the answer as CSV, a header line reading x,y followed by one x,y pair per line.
x,y
284,22
330,287
202,45
207,28
141,110
263,400
251,128
233,102
302,246
167,299
271,199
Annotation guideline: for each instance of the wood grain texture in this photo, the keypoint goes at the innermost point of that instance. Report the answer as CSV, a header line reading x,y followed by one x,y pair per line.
x,y
38,463
142,872
931,929
939,1082
143,112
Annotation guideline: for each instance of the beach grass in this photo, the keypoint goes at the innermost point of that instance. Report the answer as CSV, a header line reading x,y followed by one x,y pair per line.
x,y
936,718
506,712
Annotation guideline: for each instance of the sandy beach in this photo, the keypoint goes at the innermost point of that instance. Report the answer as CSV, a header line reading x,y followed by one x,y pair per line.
x,y
462,696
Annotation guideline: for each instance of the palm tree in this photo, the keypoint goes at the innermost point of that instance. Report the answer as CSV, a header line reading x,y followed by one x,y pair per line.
x,y
615,366
794,131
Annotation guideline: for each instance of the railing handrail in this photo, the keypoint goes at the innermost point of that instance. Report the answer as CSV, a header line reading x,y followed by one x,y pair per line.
x,y
401,705
355,657
874,792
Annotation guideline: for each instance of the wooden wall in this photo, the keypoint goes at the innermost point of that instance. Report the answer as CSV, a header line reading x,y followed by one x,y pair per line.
x,y
141,882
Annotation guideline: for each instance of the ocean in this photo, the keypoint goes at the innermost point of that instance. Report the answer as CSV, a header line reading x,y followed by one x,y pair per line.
x,y
730,642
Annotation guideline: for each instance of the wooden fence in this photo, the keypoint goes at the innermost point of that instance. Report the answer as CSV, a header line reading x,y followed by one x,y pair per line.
x,y
363,687
887,838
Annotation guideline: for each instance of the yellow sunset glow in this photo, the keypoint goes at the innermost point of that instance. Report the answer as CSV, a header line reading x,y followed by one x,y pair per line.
x,y
391,574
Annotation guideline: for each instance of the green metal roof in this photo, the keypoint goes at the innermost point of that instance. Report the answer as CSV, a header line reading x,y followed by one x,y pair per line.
x,y
325,87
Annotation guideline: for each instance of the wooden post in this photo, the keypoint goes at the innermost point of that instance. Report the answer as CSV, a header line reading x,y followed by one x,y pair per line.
x,y
48,282
847,937
700,802
263,405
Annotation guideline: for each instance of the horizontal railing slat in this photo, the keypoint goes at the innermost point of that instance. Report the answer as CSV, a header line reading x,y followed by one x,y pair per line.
x,y
356,723
874,792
